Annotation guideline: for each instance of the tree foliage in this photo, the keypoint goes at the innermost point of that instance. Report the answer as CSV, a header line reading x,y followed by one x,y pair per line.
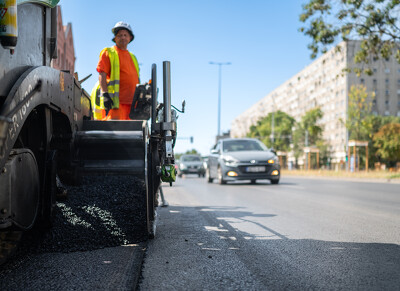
x,y
375,23
378,121
308,132
359,122
188,152
283,124
387,142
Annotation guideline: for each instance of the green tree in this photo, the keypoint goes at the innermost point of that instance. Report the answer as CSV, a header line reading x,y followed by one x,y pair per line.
x,y
375,23
387,142
309,133
283,124
378,121
188,152
359,121
310,123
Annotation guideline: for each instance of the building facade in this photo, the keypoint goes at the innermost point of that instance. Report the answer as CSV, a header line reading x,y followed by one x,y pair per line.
x,y
324,84
65,46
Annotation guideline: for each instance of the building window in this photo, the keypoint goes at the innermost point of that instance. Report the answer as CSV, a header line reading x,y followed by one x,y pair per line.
x,y
362,81
386,92
387,81
374,82
387,71
387,102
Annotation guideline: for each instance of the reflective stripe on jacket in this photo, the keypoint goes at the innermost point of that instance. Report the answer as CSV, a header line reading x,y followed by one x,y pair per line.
x,y
112,85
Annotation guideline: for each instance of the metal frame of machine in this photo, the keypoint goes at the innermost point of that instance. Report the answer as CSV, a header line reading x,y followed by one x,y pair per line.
x,y
46,129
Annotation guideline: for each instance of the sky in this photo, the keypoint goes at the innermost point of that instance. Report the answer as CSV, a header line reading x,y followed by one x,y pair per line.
x,y
260,38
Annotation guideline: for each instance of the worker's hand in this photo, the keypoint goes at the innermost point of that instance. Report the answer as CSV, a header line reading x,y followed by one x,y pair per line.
x,y
108,103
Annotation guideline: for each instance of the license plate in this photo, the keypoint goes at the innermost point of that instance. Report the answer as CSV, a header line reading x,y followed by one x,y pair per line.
x,y
255,169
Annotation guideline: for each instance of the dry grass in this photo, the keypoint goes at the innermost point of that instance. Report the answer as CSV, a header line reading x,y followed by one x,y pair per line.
x,y
380,175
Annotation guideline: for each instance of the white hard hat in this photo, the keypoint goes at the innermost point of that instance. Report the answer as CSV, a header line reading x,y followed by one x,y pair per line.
x,y
122,25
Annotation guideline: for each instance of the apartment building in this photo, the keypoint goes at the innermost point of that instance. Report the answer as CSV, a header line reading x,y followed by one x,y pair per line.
x,y
323,84
65,46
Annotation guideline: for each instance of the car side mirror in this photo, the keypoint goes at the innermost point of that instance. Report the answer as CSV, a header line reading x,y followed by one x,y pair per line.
x,y
214,152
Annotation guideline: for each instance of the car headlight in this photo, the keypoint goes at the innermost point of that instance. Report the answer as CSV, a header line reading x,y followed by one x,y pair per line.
x,y
230,161
274,160
182,167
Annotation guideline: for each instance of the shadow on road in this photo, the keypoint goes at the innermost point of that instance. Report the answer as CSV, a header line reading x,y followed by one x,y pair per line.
x,y
279,262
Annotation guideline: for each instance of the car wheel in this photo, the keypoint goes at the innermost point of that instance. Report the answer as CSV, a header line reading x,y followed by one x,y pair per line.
x,y
208,177
221,180
276,181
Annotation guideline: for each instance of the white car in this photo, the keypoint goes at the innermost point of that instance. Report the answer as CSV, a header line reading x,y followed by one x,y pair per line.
x,y
242,159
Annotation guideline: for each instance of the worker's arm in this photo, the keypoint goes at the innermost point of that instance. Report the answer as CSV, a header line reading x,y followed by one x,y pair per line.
x,y
103,81
108,103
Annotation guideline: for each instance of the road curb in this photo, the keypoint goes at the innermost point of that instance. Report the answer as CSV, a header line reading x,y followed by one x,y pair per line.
x,y
365,180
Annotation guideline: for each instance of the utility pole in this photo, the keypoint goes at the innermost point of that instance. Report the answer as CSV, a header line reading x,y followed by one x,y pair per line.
x,y
219,92
273,122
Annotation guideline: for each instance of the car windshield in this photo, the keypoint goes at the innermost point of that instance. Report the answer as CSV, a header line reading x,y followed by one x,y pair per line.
x,y
190,159
242,145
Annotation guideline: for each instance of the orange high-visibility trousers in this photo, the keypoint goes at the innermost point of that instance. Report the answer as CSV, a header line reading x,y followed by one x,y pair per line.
x,y
121,113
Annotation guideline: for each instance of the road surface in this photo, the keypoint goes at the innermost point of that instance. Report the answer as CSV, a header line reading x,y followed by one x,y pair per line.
x,y
301,234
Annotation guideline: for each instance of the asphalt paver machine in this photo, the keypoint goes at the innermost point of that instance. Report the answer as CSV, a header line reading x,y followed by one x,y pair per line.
x,y
47,129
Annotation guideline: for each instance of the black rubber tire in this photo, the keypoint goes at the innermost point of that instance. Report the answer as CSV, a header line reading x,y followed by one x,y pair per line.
x,y
221,180
48,201
275,182
208,177
153,184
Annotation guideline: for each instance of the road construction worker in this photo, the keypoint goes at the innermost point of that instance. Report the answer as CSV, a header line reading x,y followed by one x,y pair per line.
x,y
118,76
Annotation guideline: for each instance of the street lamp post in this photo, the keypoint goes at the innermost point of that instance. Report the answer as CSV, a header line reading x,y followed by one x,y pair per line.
x,y
273,121
219,92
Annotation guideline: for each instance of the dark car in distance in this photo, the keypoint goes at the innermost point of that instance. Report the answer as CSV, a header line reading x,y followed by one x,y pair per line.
x,y
235,159
191,164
